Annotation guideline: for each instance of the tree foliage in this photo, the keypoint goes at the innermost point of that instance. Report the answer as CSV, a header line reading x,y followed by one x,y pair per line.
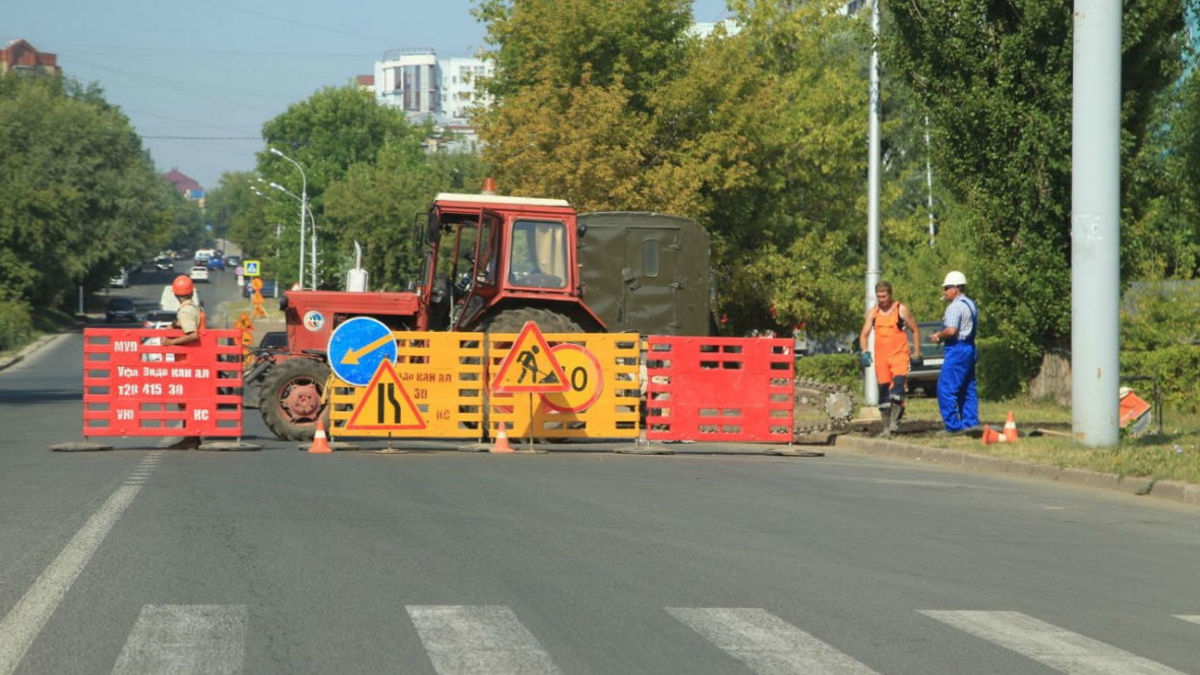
x,y
78,194
327,134
994,76
757,136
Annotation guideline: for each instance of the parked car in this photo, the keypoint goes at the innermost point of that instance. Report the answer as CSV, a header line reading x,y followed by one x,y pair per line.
x,y
158,319
121,280
164,264
268,288
924,371
199,273
232,260
216,263
120,309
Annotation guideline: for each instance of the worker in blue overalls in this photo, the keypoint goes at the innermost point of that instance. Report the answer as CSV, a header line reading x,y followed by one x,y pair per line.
x,y
957,398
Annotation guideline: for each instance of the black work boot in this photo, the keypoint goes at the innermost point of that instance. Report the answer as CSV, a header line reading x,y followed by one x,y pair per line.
x,y
885,415
893,421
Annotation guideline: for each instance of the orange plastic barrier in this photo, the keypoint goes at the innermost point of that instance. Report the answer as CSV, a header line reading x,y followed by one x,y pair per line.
x,y
719,389
134,386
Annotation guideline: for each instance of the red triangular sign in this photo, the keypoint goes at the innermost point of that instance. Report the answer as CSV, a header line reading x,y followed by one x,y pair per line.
x,y
530,366
387,405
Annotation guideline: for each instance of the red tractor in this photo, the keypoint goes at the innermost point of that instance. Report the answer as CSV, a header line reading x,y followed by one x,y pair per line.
x,y
493,263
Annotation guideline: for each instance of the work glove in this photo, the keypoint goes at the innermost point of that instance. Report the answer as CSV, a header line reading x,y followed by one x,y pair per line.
x,y
866,360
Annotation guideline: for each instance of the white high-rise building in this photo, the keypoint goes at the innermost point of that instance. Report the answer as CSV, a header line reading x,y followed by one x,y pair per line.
x,y
427,88
408,79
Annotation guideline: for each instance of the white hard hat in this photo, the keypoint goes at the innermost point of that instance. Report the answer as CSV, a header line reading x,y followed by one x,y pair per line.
x,y
955,278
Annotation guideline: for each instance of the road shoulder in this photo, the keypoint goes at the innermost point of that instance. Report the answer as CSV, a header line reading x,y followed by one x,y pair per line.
x,y
1169,490
29,349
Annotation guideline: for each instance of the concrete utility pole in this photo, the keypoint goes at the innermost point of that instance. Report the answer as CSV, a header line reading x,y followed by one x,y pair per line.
x,y
1095,222
870,389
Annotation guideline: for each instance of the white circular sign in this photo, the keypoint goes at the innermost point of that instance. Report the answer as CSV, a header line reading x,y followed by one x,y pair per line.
x,y
314,320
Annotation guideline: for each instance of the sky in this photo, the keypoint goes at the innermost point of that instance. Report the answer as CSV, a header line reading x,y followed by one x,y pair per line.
x,y
198,79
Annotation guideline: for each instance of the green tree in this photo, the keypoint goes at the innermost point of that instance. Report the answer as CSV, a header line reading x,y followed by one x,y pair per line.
x,y
567,43
758,136
327,134
995,78
78,194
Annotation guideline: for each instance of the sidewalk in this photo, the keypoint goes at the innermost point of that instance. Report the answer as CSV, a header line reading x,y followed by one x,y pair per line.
x,y
1176,491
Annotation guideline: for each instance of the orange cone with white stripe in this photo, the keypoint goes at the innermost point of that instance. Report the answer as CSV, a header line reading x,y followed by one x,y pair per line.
x,y
1010,429
501,445
990,436
320,441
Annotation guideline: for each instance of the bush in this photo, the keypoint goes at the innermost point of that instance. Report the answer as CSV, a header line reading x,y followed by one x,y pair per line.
x,y
999,371
16,326
840,369
1177,369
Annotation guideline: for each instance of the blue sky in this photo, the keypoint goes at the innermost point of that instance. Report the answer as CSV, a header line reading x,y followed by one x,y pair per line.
x,y
219,69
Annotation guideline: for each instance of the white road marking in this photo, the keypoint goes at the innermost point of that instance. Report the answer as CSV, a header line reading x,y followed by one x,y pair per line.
x,y
184,639
1048,644
26,619
767,644
1194,618
485,639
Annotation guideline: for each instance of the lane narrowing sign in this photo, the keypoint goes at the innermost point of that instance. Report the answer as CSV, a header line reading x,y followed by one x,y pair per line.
x,y
386,405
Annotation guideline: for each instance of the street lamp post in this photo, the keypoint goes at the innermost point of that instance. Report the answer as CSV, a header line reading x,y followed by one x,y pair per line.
x,y
311,219
870,390
303,208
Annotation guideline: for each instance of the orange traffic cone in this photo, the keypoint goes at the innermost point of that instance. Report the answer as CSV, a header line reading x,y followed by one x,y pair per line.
x,y
1010,429
320,442
990,435
501,444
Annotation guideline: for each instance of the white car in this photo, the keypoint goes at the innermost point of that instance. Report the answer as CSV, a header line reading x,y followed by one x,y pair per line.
x,y
198,273
120,281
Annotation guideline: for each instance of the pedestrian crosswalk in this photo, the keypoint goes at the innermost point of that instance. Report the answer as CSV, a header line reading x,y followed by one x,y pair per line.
x,y
185,639
764,642
1062,650
491,639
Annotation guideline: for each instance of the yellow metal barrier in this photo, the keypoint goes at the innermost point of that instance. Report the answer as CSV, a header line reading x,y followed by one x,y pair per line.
x,y
437,388
603,392
434,389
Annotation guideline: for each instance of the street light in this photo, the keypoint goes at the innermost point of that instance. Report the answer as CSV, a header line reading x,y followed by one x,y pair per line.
x,y
311,219
303,208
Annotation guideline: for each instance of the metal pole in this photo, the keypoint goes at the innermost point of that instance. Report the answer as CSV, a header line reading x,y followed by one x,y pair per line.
x,y
929,180
870,390
1095,222
303,208
312,221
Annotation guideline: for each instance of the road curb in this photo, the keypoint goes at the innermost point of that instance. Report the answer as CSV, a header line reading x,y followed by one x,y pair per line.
x,y
29,349
1176,491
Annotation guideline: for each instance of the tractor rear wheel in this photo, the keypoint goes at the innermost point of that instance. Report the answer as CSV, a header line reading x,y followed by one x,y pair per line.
x,y
291,398
548,321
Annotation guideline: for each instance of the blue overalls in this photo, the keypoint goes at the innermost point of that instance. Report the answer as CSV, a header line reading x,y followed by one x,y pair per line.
x,y
957,398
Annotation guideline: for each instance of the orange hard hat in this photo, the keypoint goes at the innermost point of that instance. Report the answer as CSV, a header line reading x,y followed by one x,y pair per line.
x,y
182,286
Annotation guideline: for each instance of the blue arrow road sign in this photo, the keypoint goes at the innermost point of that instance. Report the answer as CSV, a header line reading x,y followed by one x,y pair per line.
x,y
357,347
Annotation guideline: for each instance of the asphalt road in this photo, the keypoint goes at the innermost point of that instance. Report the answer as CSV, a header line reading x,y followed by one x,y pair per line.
x,y
145,561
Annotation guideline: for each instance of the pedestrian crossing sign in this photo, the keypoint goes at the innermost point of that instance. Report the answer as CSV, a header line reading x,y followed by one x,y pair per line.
x,y
385,404
530,366
251,268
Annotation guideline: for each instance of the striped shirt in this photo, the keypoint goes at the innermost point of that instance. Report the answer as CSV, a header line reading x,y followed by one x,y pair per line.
x,y
958,315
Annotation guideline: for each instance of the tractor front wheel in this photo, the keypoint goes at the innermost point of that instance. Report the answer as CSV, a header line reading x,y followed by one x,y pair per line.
x,y
291,399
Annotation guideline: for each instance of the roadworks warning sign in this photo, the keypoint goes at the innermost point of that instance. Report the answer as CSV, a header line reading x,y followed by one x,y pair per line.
x,y
530,366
